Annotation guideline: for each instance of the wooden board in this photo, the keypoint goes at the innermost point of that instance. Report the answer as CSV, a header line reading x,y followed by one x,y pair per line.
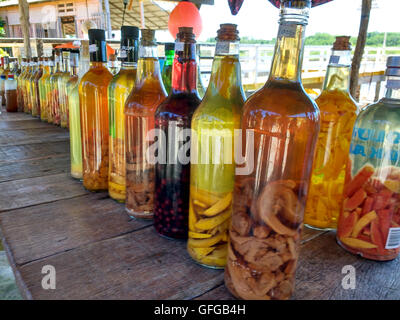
x,y
26,124
29,136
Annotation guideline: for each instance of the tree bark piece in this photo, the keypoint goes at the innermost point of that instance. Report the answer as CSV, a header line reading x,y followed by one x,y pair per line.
x,y
24,19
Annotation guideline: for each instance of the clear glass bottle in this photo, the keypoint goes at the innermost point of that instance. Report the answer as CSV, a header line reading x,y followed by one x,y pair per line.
x,y
53,85
20,93
369,223
212,169
28,87
49,91
118,91
74,112
25,85
166,75
35,89
93,102
173,120
10,88
5,70
280,126
31,86
140,107
113,64
42,89
338,113
62,89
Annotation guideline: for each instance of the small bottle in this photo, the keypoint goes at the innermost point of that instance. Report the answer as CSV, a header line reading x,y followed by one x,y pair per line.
x,y
118,91
338,113
167,69
11,93
93,102
140,107
369,223
213,171
173,121
280,126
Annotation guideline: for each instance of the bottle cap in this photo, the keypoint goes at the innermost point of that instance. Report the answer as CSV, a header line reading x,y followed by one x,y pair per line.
x,y
129,32
342,43
11,76
228,32
186,34
148,37
393,66
2,77
96,35
169,46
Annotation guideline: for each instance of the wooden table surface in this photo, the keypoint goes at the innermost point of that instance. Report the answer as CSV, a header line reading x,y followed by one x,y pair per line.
x,y
48,218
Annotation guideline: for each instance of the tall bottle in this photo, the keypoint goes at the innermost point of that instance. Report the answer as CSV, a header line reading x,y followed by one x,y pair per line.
x,y
338,113
94,114
35,88
369,223
27,89
173,120
5,71
169,50
280,127
49,89
44,105
74,109
31,85
62,89
20,93
118,91
10,89
212,171
53,84
140,107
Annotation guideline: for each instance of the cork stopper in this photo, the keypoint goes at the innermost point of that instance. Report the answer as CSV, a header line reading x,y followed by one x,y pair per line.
x,y
148,37
228,32
342,43
186,34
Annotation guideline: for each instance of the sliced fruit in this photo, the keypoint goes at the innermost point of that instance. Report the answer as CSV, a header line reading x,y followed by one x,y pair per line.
x,y
205,243
203,196
376,236
385,217
201,252
368,203
355,201
199,203
357,243
197,235
360,178
220,206
192,218
363,222
210,223
346,223
393,185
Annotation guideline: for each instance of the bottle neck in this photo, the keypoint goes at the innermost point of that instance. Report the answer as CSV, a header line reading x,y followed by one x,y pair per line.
x,y
393,88
338,72
67,66
169,57
148,67
288,55
129,51
226,77
184,68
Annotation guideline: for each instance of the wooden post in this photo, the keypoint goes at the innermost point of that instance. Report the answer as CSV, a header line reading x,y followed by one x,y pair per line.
x,y
358,53
24,19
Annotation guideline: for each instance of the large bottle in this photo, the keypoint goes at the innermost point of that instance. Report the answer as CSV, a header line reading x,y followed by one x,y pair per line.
x,y
140,107
338,113
62,89
10,88
118,91
44,106
20,91
173,121
53,85
49,90
169,50
25,81
4,71
28,83
212,170
35,88
369,223
280,127
94,114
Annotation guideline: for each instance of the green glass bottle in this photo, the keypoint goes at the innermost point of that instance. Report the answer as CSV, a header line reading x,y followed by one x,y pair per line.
x,y
167,69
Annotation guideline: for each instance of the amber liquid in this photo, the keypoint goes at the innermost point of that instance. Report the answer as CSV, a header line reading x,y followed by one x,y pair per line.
x,y
11,101
94,125
140,108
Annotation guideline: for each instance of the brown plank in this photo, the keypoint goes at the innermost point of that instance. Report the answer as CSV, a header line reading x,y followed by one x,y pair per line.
x,y
14,116
138,265
33,151
18,125
34,168
33,191
29,136
68,224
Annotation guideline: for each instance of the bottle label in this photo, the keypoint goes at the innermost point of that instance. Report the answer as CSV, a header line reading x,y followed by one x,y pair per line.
x,y
287,31
179,46
93,48
393,239
227,47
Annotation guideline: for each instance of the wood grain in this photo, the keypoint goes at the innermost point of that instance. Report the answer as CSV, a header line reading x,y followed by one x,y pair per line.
x,y
26,124
29,136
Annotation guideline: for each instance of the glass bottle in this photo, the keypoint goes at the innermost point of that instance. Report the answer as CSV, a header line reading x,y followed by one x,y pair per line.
x,y
113,65
140,107
26,85
4,71
280,127
200,86
212,170
42,89
369,223
48,89
94,114
35,89
53,85
20,93
166,75
173,120
31,85
10,88
62,89
338,113
118,91
74,109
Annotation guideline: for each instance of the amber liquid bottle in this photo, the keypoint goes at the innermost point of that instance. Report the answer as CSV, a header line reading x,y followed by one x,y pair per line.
x,y
173,120
53,85
140,108
35,89
212,169
62,89
338,114
42,90
20,91
118,91
94,114
27,86
279,129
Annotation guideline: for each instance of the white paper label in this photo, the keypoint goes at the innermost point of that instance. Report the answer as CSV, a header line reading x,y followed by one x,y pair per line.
x,y
287,31
179,46
226,47
92,48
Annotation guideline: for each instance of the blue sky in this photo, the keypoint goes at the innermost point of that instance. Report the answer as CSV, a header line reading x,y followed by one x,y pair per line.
x,y
258,18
